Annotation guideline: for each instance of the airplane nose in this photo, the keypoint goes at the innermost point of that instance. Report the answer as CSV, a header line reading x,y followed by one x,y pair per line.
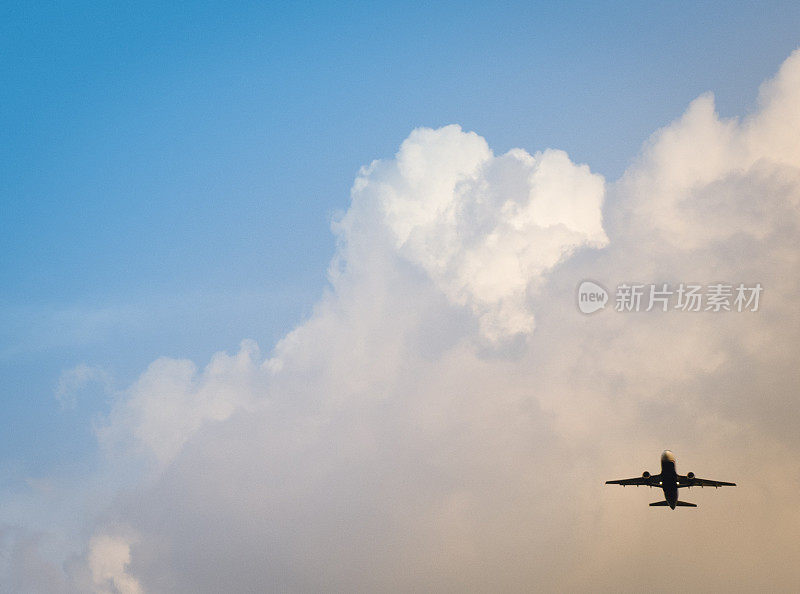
x,y
667,456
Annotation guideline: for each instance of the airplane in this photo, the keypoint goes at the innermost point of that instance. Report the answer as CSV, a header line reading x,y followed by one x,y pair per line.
x,y
670,481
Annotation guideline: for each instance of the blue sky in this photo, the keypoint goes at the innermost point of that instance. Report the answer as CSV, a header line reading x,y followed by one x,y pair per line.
x,y
168,173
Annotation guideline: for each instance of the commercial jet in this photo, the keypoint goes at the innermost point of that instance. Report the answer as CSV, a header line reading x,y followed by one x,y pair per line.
x,y
670,481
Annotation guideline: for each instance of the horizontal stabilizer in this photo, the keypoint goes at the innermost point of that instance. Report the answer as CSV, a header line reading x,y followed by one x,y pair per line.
x,y
659,503
686,504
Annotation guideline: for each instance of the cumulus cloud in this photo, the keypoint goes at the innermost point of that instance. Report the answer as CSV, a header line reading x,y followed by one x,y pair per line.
x,y
170,401
485,229
392,443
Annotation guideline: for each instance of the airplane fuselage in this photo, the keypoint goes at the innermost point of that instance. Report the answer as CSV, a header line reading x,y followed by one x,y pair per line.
x,y
669,478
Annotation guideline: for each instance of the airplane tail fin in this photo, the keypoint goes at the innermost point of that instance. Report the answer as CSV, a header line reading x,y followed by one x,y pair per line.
x,y
677,503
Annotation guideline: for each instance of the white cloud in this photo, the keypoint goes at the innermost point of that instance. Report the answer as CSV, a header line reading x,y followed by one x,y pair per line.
x,y
171,400
485,229
383,447
108,561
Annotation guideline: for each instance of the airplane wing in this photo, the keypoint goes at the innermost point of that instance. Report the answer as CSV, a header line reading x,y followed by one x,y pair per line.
x,y
685,481
649,481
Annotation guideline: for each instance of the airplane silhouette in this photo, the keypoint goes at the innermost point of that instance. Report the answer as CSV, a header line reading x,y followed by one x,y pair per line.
x,y
670,481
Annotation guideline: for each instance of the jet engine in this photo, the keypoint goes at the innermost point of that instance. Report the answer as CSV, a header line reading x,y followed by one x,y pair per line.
x,y
690,475
646,474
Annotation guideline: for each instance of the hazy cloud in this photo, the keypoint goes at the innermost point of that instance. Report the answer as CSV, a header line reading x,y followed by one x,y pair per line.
x,y
72,381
